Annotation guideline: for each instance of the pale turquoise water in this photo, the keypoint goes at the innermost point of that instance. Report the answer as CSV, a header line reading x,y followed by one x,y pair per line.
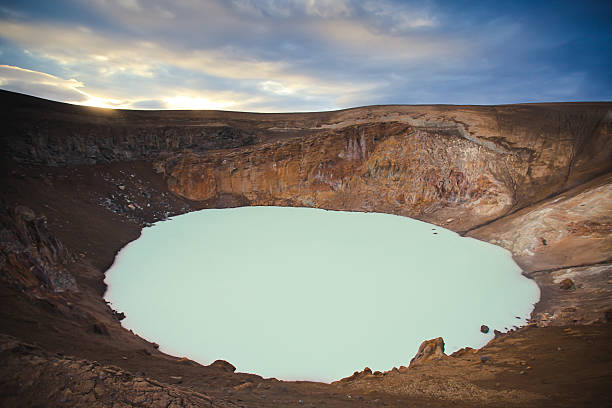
x,y
300,293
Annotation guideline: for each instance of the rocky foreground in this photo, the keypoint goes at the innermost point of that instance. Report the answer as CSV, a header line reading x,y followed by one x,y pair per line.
x,y
79,183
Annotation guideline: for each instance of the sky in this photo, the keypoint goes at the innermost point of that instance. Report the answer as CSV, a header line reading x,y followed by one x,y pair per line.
x,y
305,55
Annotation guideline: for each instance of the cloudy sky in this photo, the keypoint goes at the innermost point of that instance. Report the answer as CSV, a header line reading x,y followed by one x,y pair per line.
x,y
305,55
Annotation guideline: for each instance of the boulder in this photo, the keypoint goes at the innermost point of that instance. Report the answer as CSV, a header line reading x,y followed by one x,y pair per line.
x,y
484,329
118,315
566,284
429,350
223,365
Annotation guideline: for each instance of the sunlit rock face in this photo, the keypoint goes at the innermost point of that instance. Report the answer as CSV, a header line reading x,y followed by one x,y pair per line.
x,y
458,167
429,350
298,293
574,229
388,168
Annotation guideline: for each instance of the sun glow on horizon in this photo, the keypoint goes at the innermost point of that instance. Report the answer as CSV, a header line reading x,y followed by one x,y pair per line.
x,y
303,56
107,103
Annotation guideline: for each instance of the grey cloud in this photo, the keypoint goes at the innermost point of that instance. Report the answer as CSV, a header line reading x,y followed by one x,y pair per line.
x,y
321,54
150,104
46,91
40,84
294,8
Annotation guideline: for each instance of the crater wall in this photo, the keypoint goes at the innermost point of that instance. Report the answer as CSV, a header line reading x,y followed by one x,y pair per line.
x,y
533,178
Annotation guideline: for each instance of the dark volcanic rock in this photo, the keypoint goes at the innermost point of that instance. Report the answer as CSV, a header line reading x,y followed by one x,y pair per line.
x,y
31,256
68,381
70,135
118,315
223,365
484,329
100,328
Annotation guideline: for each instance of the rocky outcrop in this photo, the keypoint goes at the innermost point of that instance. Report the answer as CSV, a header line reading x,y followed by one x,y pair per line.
x,y
70,144
520,369
68,381
386,167
223,365
429,350
30,256
429,165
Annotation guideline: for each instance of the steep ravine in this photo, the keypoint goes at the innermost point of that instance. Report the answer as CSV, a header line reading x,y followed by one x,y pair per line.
x,y
534,179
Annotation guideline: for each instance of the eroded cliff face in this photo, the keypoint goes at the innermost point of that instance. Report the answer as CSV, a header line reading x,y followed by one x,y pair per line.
x,y
426,164
389,167
39,132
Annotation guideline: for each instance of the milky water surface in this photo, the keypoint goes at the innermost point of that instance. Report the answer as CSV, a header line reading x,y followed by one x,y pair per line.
x,y
301,293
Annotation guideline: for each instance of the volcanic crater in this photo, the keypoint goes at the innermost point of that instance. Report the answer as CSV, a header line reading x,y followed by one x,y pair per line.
x,y
79,183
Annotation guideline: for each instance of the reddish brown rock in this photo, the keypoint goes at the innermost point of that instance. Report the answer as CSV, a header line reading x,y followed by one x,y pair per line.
x,y
571,229
566,284
429,350
223,365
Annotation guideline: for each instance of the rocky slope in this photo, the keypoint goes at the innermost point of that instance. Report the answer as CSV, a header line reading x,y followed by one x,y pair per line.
x,y
532,178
